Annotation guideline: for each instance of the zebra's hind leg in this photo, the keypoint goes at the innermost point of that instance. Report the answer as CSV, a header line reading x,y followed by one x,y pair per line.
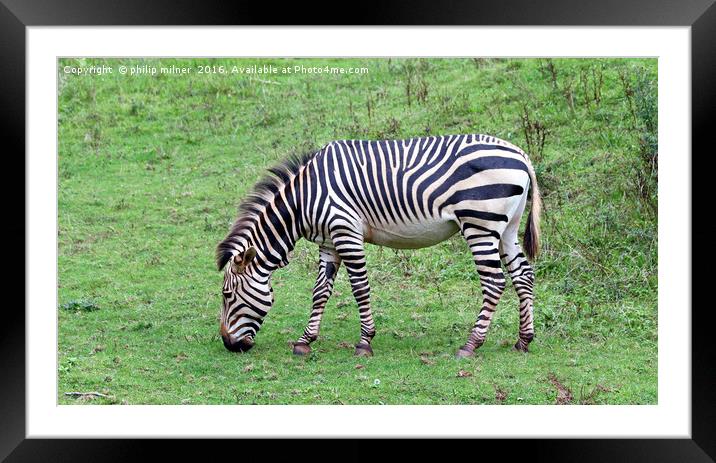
x,y
350,247
523,278
484,246
327,271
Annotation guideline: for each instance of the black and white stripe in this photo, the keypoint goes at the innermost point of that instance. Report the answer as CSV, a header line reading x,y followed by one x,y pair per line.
x,y
398,193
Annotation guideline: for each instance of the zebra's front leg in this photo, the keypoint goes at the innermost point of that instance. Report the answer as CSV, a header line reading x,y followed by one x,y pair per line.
x,y
350,247
485,253
322,290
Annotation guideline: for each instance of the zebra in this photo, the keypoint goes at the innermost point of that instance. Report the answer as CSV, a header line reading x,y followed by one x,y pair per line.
x,y
403,194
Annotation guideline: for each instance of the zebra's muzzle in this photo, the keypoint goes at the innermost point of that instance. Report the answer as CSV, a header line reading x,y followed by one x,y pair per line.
x,y
241,345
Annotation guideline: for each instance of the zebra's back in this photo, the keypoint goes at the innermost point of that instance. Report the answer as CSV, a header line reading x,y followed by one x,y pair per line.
x,y
409,193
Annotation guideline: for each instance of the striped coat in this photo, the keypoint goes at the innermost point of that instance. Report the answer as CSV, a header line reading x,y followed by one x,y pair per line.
x,y
405,194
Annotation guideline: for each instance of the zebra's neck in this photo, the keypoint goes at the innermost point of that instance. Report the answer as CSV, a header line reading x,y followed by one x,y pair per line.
x,y
275,224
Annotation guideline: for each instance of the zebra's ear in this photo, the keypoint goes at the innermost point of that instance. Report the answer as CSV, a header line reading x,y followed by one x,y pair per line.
x,y
241,260
249,255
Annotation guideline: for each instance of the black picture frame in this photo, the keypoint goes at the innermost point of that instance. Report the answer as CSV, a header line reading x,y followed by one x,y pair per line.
x,y
700,15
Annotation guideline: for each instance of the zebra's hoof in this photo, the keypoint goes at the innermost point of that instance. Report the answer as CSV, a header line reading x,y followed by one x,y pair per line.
x,y
464,353
519,347
363,350
300,348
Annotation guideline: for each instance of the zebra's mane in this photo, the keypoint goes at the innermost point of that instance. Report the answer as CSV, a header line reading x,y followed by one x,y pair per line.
x,y
256,200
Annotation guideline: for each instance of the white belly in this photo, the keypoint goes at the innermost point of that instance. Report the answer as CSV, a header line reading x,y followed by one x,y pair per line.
x,y
410,236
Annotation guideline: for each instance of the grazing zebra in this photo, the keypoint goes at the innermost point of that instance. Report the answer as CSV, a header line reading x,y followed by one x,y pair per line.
x,y
404,194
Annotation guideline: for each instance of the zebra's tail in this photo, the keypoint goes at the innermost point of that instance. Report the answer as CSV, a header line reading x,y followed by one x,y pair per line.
x,y
531,238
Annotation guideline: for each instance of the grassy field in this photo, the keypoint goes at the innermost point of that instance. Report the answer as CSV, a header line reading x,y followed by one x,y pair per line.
x,y
153,167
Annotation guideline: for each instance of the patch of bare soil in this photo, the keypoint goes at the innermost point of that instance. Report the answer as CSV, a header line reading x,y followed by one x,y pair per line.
x,y
564,395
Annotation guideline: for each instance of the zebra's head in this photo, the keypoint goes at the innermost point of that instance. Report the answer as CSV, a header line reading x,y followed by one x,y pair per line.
x,y
248,296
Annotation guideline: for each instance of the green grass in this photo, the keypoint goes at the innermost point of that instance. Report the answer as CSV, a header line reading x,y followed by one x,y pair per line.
x,y
152,169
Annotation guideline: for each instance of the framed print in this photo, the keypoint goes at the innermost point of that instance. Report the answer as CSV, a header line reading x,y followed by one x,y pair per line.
x,y
498,182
